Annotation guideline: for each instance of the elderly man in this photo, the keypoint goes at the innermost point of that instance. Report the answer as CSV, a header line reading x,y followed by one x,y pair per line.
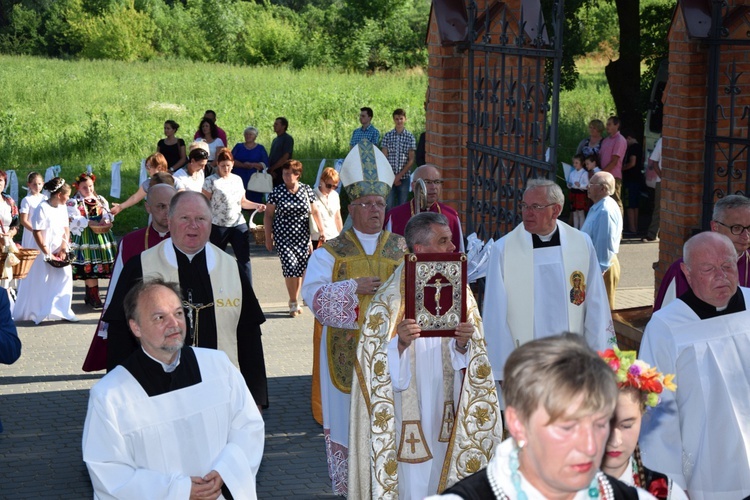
x,y
413,379
700,435
342,276
731,218
396,218
222,310
134,243
543,279
604,226
172,421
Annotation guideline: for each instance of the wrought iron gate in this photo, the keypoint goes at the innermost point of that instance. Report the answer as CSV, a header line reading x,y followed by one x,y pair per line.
x,y
728,108
512,109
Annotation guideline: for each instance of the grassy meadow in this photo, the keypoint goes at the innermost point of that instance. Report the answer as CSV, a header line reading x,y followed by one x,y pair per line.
x,y
78,113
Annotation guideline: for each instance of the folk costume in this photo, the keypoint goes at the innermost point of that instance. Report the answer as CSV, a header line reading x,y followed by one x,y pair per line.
x,y
495,482
396,219
220,306
423,420
656,483
146,429
131,244
674,283
700,435
94,253
329,290
538,287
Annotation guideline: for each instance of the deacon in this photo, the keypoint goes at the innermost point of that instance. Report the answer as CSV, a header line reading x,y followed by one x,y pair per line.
x,y
132,244
543,279
731,218
603,224
220,305
700,435
342,276
173,421
405,405
396,218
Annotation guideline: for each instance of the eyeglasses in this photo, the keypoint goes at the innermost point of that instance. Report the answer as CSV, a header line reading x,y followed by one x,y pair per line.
x,y
435,182
534,207
735,229
332,186
378,204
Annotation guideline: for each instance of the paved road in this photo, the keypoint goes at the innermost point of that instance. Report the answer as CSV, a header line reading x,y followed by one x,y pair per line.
x,y
43,396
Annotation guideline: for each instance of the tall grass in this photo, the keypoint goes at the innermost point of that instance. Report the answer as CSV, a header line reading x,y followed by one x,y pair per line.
x,y
96,112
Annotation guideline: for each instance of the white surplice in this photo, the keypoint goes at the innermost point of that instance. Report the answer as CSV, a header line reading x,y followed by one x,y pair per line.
x,y
700,435
551,298
136,446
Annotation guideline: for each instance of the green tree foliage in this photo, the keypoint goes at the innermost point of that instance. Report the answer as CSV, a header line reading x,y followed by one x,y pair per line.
x,y
352,34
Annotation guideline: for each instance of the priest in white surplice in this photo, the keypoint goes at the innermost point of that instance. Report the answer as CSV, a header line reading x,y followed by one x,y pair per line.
x,y
700,435
172,421
543,279
427,404
341,278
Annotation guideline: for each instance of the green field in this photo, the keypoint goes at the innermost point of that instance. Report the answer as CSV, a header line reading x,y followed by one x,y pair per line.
x,y
78,113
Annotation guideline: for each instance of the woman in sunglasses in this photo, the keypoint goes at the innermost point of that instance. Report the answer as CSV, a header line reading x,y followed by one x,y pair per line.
x,y
329,207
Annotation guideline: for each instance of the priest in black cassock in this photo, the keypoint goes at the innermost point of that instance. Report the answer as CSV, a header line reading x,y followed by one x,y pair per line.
x,y
220,305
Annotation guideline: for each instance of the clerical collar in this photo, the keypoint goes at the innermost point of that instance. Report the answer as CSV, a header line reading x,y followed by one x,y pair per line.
x,y
168,368
705,310
161,235
189,256
152,377
546,240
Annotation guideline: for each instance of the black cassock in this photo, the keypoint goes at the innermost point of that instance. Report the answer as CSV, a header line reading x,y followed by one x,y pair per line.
x,y
196,288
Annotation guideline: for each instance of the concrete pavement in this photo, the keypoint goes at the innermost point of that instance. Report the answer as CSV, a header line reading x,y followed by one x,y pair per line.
x,y
43,396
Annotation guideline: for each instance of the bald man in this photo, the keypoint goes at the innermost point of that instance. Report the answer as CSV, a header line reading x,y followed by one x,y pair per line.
x,y
397,217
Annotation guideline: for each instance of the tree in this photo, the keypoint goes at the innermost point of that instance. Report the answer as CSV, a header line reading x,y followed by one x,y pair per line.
x,y
624,74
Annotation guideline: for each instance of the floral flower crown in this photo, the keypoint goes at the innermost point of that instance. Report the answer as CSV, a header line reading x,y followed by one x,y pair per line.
x,y
82,177
632,372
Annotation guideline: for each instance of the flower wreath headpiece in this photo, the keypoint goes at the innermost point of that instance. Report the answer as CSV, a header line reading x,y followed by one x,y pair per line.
x,y
82,177
632,372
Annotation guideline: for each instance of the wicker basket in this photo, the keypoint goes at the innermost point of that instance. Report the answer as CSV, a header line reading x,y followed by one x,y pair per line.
x,y
100,228
259,231
26,256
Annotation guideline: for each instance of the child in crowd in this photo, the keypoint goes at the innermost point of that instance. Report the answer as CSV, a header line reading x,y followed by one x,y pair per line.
x,y
640,386
578,184
34,183
157,162
47,291
94,252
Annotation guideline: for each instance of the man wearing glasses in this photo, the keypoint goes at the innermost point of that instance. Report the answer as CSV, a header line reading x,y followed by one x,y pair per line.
x,y
731,218
543,279
396,218
342,277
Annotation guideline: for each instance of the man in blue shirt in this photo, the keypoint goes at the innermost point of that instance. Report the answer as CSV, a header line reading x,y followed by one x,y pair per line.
x,y
366,131
604,226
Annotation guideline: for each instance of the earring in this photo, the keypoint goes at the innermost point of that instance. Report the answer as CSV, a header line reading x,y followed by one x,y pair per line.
x,y
521,443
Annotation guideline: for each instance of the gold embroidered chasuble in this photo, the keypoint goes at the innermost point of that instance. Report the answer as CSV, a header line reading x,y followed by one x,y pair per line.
x,y
474,428
225,283
352,262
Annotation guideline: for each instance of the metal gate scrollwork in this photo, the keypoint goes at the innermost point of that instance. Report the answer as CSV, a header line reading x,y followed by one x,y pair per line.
x,y
512,109
728,107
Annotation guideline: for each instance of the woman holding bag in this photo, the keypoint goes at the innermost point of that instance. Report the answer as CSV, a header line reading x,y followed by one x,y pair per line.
x,y
250,158
287,226
226,193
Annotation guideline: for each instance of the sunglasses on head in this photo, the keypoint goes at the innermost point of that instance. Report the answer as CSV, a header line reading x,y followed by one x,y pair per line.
x,y
199,154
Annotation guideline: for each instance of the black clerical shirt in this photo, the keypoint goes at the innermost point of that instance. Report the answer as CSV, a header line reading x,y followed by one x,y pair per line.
x,y
704,310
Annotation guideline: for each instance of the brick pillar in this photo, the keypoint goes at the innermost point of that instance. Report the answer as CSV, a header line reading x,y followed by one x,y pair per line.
x,y
682,144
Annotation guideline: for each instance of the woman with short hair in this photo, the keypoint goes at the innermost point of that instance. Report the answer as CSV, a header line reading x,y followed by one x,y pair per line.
x,y
559,397
328,205
249,158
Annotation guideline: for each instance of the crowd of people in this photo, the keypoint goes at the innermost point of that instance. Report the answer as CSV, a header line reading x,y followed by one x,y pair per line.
x,y
529,398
